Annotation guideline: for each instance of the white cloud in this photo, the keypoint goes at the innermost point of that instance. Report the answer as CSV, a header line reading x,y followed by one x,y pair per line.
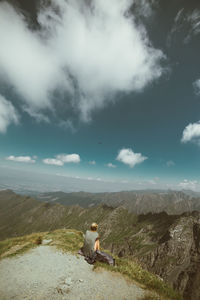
x,y
170,163
67,125
196,85
124,181
61,159
179,16
192,20
8,114
144,7
92,162
110,165
177,26
98,179
127,156
53,161
26,61
191,133
69,158
151,181
89,51
39,117
90,178
189,184
24,159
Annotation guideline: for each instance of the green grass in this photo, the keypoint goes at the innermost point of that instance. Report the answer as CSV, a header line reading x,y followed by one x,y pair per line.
x,y
19,245
66,239
136,273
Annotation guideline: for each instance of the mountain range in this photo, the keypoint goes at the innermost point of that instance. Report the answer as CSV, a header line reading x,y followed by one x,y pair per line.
x,y
138,202
166,244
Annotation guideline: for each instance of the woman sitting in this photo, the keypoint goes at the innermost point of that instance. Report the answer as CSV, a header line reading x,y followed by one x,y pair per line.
x,y
91,247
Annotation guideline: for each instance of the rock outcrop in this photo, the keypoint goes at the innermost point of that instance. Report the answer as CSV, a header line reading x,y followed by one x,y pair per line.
x,y
177,257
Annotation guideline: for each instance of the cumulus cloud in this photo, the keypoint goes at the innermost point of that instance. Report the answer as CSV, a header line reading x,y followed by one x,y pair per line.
x,y
26,61
61,159
82,55
53,161
92,162
8,114
69,158
191,133
128,157
24,159
110,165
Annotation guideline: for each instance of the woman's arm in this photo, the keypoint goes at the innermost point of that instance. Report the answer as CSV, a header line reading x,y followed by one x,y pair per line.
x,y
97,245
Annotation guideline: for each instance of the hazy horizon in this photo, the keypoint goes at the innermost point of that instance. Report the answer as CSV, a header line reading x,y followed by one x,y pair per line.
x,y
28,182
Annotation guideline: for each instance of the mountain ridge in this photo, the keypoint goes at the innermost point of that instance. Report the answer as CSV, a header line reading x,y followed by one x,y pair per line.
x,y
172,202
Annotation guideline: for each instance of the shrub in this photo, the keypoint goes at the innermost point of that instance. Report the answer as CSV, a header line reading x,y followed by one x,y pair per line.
x,y
38,241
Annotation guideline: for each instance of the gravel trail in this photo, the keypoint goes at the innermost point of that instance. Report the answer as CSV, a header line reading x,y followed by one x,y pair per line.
x,y
47,273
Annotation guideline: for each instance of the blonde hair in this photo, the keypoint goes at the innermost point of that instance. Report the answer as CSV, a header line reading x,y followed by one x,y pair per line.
x,y
94,226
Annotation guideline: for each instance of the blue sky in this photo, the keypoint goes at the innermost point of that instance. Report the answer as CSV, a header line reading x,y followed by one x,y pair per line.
x,y
105,93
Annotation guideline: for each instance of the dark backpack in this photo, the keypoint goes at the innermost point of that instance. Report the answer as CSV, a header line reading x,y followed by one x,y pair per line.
x,y
99,256
105,257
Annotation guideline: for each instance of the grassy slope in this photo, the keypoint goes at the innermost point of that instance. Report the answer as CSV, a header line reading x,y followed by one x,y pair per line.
x,y
71,240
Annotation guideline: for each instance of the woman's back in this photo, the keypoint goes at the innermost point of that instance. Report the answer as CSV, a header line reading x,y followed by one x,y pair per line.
x,y
90,239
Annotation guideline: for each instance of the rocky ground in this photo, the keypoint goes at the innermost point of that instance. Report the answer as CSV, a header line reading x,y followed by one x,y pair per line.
x,y
47,273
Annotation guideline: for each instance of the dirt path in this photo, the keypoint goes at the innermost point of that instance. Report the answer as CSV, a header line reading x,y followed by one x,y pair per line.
x,y
47,273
